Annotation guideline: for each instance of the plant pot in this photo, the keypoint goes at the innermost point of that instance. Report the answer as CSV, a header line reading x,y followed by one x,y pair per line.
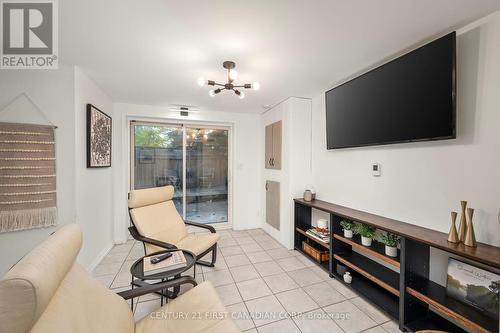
x,y
391,251
366,241
347,233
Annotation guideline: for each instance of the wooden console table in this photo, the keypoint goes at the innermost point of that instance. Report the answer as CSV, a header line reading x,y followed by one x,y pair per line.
x,y
400,285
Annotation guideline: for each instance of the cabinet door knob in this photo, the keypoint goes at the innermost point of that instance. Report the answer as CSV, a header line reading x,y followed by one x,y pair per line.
x,y
272,161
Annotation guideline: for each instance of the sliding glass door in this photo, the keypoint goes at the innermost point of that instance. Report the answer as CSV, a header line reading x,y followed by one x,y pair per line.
x,y
206,175
195,160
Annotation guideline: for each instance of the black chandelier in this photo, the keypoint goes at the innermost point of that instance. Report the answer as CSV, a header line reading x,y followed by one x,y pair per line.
x,y
231,76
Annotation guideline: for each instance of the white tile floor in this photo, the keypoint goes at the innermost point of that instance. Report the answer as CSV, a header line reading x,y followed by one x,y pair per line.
x,y
255,275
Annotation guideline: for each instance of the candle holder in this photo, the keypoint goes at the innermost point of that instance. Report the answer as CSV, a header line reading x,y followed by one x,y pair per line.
x,y
470,237
453,234
462,227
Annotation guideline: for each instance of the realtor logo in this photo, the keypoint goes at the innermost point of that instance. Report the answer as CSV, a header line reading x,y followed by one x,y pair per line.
x,y
29,34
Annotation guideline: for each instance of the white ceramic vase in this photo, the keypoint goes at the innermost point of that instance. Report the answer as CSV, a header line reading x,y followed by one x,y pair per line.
x,y
347,277
366,241
347,233
391,251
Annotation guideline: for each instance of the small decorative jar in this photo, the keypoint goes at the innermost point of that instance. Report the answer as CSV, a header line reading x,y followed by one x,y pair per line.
x,y
347,277
308,195
323,224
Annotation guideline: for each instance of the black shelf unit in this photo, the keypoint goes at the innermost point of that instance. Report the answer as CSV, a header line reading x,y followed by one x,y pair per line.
x,y
405,292
303,231
371,270
324,265
376,250
431,293
378,296
432,321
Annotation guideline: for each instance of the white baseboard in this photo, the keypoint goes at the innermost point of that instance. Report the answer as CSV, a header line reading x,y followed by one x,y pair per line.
x,y
99,257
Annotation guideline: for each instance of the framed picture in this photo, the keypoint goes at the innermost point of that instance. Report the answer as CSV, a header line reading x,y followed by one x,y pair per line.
x,y
474,286
146,156
98,138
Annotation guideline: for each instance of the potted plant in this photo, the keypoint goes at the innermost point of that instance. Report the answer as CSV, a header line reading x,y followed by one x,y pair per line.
x,y
348,227
391,242
366,232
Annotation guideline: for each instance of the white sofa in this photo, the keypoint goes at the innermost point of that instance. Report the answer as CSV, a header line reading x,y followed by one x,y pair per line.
x,y
48,292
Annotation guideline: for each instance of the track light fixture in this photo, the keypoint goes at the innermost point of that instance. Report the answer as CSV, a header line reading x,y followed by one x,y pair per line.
x,y
231,76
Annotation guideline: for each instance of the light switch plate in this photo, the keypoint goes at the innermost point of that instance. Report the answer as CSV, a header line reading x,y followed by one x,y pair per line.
x,y
376,170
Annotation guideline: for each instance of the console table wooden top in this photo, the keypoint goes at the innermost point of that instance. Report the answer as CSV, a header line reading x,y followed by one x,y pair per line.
x,y
483,253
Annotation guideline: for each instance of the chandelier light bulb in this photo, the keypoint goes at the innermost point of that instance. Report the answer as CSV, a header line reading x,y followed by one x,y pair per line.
x,y
256,86
233,74
201,81
241,95
211,93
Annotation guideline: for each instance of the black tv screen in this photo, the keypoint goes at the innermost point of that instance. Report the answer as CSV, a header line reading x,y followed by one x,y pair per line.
x,y
411,98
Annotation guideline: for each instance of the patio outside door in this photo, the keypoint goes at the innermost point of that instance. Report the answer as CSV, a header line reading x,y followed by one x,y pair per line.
x,y
193,159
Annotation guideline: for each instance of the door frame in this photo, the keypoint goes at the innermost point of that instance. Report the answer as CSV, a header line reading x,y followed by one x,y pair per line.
x,y
229,126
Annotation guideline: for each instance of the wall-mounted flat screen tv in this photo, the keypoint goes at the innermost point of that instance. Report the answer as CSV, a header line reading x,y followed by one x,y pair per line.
x,y
411,98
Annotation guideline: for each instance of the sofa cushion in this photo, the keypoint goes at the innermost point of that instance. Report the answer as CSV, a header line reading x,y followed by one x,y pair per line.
x,y
27,289
198,310
81,304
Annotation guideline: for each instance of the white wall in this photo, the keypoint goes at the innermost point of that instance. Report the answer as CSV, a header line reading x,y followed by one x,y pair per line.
x,y
94,196
52,92
245,168
84,196
422,182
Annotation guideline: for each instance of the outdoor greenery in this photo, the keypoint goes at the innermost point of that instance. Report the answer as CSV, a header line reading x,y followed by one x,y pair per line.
x,y
153,136
364,230
347,224
390,239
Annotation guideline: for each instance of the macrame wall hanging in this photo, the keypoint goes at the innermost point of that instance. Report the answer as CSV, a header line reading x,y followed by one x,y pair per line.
x,y
27,177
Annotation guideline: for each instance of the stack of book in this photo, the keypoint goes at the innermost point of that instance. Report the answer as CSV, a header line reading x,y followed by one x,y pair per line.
x,y
175,261
322,236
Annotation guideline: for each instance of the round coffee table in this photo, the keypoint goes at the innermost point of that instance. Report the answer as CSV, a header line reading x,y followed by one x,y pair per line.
x,y
139,279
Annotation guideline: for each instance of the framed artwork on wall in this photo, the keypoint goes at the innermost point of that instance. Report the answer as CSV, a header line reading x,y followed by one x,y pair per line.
x,y
99,132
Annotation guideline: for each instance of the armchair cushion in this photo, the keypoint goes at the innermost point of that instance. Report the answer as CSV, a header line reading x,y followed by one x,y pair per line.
x,y
203,310
150,196
159,221
154,215
198,243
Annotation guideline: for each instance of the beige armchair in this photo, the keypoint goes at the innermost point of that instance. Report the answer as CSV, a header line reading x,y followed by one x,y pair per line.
x,y
48,292
159,226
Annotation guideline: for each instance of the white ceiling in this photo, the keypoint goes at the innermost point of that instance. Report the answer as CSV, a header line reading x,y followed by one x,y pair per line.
x,y
152,51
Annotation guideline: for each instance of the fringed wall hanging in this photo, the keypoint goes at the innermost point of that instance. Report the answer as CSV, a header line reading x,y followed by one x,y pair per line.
x,y
27,177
